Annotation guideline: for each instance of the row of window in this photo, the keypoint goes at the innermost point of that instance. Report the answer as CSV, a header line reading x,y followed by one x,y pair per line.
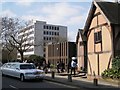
x,y
27,28
49,38
51,27
50,33
26,34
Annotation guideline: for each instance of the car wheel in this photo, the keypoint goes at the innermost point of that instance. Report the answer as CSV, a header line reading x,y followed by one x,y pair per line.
x,y
41,80
22,77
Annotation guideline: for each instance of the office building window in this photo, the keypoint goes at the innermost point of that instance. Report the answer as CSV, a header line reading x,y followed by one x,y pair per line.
x,y
49,27
52,28
58,33
44,38
57,28
44,27
44,33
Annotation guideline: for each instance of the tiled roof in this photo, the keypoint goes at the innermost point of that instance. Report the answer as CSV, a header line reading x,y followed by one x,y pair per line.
x,y
111,11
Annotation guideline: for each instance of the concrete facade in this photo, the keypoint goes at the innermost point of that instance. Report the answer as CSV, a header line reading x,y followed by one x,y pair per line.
x,y
42,33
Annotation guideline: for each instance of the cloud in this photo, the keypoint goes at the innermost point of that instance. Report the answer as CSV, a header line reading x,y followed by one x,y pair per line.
x,y
60,13
48,0
8,13
24,2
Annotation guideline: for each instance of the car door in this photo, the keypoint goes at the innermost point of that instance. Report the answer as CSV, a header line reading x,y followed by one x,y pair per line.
x,y
12,70
8,69
16,70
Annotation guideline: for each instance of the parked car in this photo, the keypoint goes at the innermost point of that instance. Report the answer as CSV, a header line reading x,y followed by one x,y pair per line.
x,y
22,70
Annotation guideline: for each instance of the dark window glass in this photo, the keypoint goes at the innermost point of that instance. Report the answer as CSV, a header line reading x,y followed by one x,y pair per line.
x,y
55,33
44,55
49,27
57,28
44,27
97,37
47,32
50,33
58,33
44,32
44,38
27,66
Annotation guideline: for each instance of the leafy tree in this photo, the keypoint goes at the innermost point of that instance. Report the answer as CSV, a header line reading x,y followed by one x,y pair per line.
x,y
37,58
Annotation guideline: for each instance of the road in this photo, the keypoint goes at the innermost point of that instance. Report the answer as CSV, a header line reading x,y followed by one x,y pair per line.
x,y
13,83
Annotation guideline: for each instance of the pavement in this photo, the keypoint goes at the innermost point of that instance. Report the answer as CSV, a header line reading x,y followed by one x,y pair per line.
x,y
82,82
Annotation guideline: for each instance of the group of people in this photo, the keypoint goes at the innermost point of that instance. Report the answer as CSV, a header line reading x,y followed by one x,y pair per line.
x,y
72,66
60,66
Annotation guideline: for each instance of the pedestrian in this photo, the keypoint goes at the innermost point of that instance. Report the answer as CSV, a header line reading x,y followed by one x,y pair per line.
x,y
62,66
73,65
45,67
38,66
48,66
58,67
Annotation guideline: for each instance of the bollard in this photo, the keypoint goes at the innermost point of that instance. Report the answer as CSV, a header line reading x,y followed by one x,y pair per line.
x,y
69,78
95,81
53,74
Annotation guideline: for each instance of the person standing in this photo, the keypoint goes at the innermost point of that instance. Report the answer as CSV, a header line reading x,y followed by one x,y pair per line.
x,y
48,65
73,65
62,66
58,67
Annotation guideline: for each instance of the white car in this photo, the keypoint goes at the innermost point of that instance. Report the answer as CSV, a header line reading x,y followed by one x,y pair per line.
x,y
22,70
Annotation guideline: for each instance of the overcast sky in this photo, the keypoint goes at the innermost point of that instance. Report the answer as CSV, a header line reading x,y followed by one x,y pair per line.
x,y
70,13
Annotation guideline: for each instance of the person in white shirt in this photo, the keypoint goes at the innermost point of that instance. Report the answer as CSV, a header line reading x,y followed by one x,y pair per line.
x,y
73,65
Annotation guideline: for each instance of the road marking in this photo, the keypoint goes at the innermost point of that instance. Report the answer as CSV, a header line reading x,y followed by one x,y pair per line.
x,y
12,86
63,84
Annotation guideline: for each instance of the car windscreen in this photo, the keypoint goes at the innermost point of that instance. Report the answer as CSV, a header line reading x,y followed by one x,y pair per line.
x,y
27,66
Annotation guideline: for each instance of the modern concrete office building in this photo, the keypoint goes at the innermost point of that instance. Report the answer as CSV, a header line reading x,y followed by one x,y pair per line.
x,y
40,33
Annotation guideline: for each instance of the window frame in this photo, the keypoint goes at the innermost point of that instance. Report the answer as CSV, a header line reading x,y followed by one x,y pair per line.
x,y
98,36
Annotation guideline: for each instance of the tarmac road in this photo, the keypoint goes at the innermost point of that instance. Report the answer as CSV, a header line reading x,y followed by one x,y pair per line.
x,y
15,84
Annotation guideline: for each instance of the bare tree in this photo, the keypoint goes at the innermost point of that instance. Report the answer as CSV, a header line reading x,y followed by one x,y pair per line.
x,y
11,28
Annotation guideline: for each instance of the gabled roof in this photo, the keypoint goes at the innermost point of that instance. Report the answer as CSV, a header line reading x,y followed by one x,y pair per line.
x,y
80,32
110,10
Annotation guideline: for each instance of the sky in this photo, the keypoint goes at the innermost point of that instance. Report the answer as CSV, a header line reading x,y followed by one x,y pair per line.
x,y
70,13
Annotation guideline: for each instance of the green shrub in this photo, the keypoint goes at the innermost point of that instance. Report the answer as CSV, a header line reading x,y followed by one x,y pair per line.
x,y
114,72
111,73
116,63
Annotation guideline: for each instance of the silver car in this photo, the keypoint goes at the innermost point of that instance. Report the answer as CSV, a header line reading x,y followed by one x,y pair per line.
x,y
22,70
